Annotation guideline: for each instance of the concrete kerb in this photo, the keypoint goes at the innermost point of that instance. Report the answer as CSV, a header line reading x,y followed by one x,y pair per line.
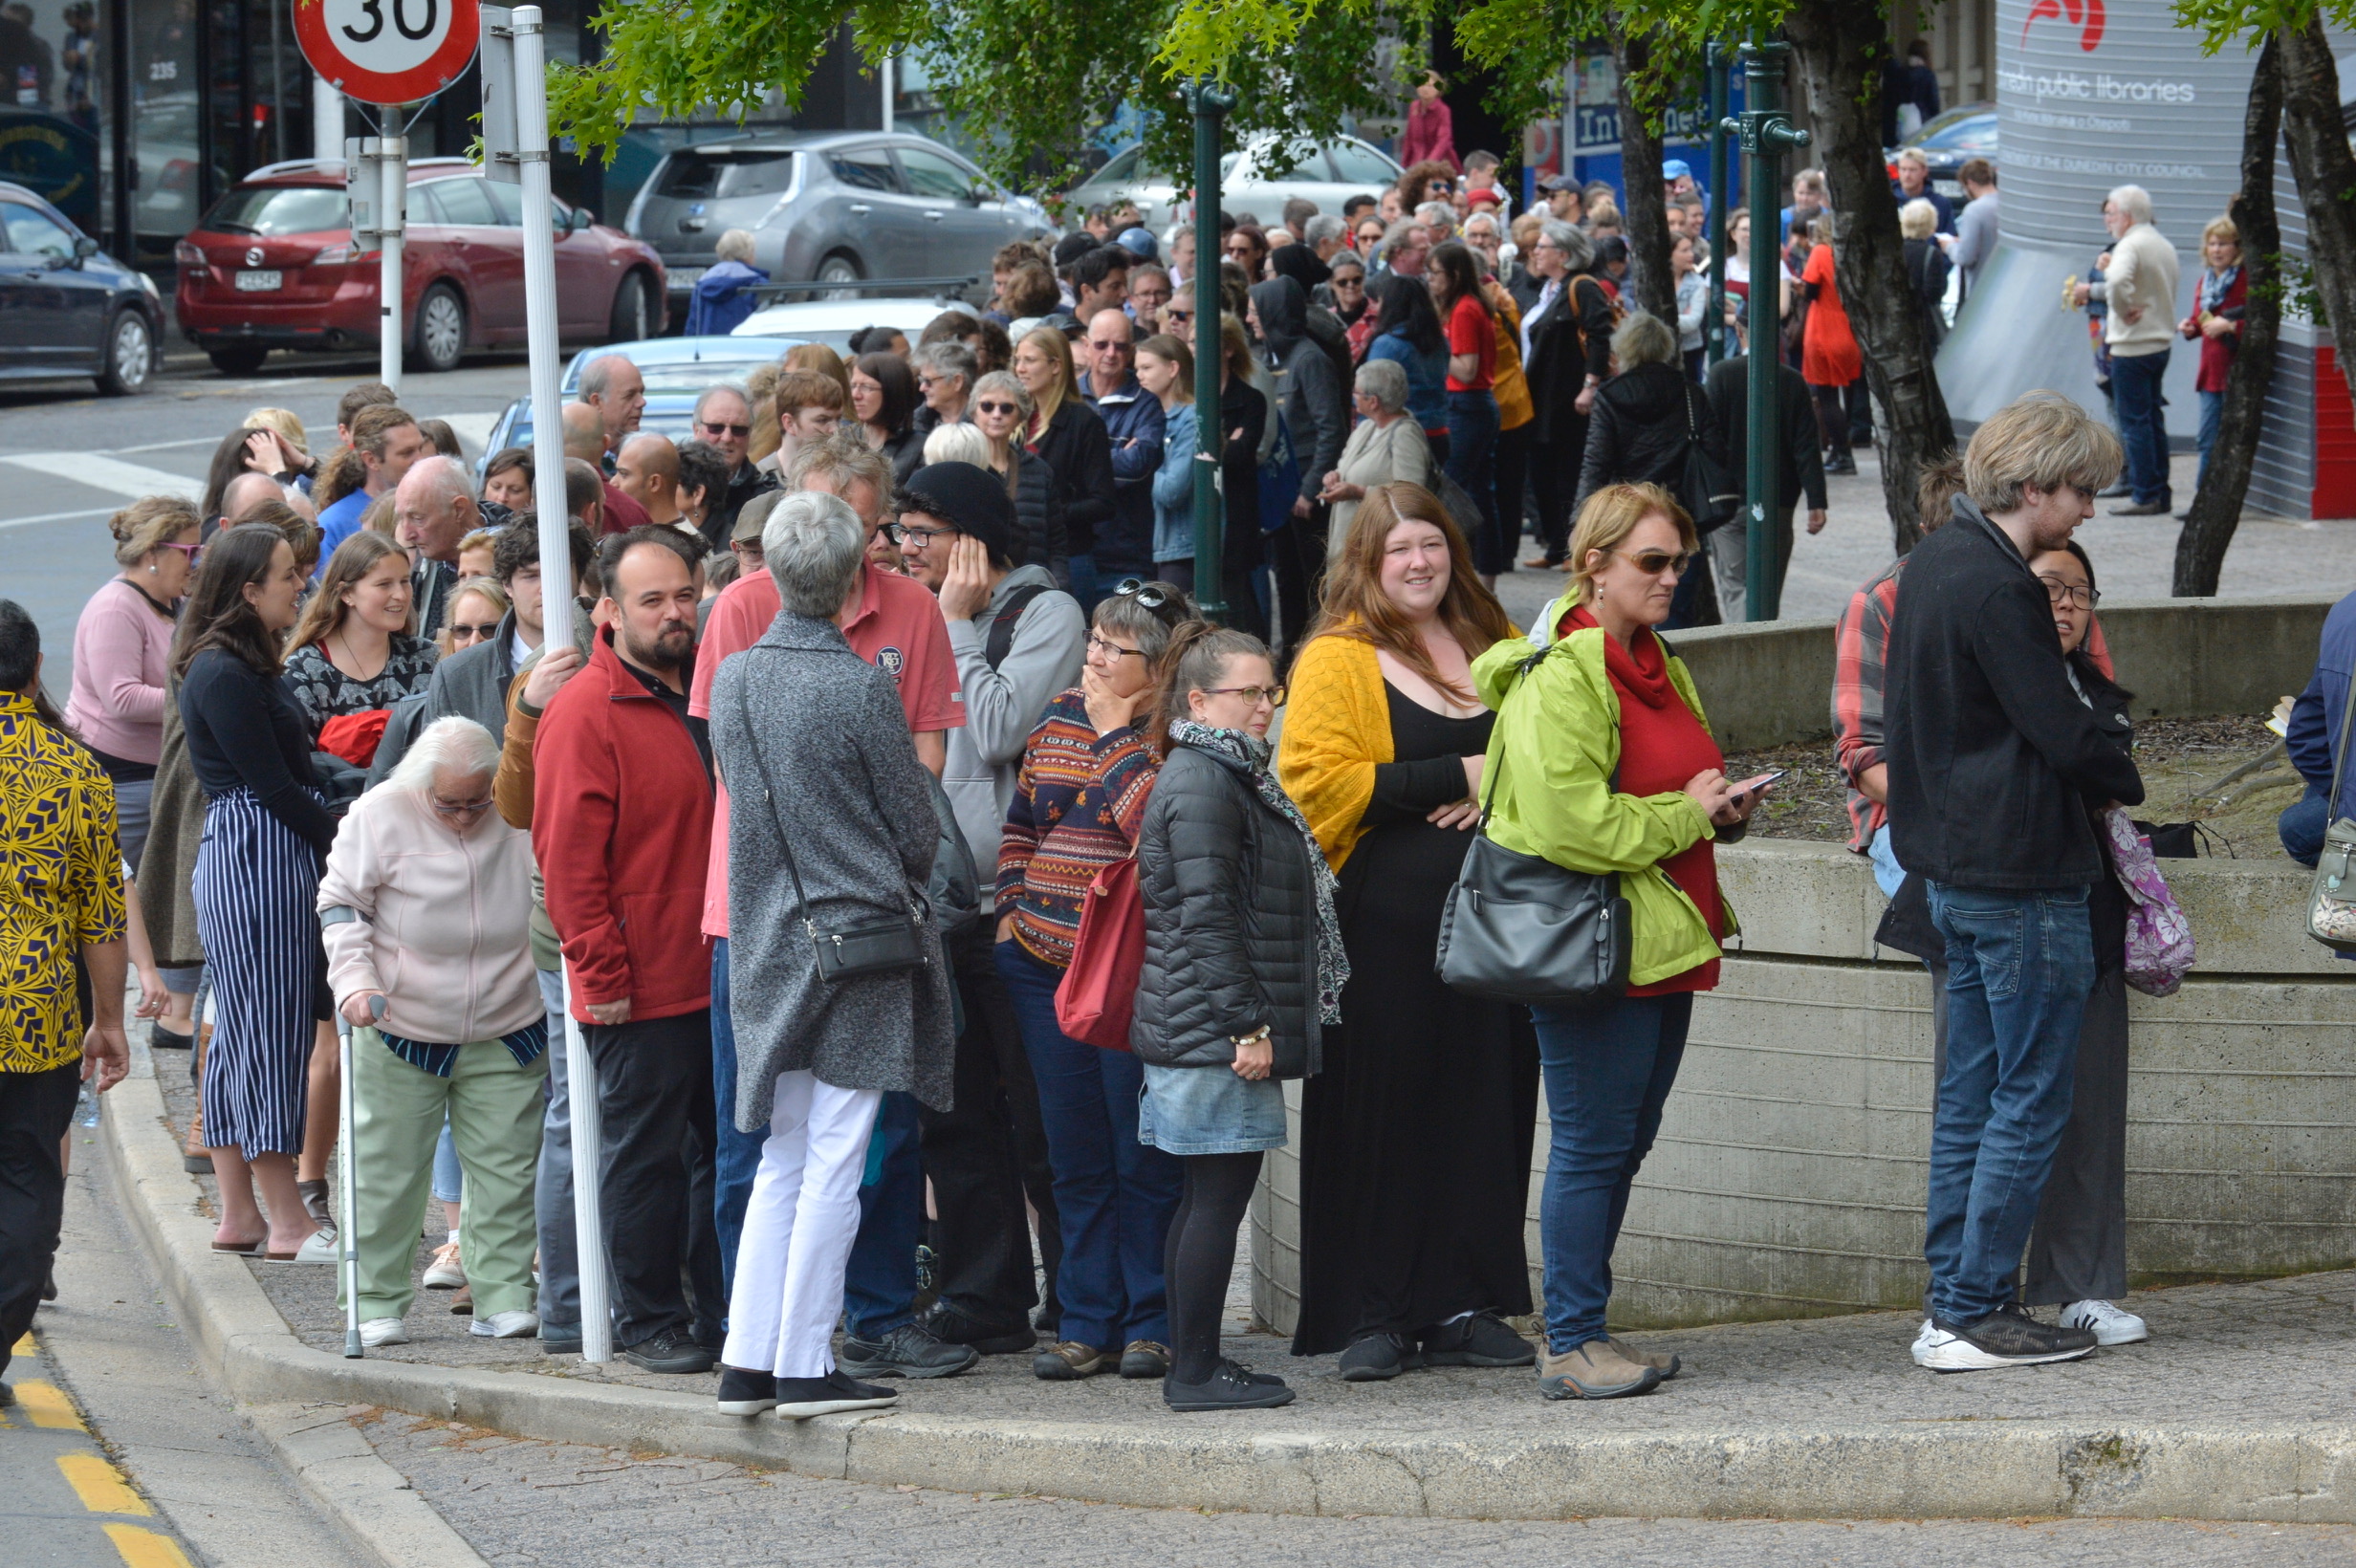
x,y
1952,1469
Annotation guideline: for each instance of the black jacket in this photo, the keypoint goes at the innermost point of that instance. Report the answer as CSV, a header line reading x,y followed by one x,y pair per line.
x,y
1317,404
1802,467
720,517
1039,538
1079,452
1231,923
1570,341
1642,421
1992,757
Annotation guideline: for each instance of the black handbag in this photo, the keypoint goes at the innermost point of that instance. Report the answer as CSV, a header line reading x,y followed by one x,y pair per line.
x,y
879,944
1521,929
1708,496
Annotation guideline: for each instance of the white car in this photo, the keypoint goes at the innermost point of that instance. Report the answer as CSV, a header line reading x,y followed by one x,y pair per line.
x,y
835,321
1248,180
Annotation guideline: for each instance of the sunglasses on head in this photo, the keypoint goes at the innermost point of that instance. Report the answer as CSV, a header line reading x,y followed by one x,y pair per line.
x,y
1149,596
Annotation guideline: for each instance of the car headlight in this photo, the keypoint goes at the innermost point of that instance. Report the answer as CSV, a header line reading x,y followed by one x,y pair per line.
x,y
150,284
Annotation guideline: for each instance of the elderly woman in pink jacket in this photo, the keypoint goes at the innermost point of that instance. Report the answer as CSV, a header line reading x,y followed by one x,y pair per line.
x,y
426,906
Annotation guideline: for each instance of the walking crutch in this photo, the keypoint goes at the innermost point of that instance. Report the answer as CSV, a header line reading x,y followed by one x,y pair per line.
x,y
347,1239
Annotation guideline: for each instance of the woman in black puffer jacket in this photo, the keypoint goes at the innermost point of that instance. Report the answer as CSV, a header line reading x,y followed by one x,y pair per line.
x,y
1646,417
1243,966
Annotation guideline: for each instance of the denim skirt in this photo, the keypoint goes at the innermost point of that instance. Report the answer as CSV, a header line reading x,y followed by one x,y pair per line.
x,y
1208,1110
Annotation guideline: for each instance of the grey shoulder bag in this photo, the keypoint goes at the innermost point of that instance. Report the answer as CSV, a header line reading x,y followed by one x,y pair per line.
x,y
2331,905
1521,929
879,945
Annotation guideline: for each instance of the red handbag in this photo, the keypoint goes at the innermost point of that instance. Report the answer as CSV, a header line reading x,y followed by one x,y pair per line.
x,y
1095,998
355,736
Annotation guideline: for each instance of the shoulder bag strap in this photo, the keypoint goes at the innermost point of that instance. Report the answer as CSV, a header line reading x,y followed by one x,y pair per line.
x,y
2339,757
785,846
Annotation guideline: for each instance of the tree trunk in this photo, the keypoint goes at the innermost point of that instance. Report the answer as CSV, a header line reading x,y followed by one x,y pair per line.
x,y
1911,427
2216,508
2327,174
1650,288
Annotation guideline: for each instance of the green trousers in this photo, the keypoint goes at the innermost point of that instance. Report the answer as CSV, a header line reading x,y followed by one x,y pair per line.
x,y
495,1109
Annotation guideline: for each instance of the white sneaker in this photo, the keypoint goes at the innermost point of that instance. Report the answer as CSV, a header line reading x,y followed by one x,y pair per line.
x,y
2113,1325
518,1324
384,1331
319,1246
445,1273
1930,1339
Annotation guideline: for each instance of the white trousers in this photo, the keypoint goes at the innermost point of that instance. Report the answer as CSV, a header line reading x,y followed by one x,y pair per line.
x,y
799,1224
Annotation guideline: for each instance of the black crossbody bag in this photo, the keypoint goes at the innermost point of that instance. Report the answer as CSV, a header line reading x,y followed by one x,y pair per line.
x,y
879,945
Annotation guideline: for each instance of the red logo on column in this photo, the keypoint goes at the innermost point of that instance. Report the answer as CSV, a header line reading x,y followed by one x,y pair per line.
x,y
2087,16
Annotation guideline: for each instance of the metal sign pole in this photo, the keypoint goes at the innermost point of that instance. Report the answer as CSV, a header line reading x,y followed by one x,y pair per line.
x,y
394,204
597,1342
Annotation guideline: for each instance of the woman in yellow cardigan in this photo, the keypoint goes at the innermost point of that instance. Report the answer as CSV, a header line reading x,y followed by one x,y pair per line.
x,y
1415,1146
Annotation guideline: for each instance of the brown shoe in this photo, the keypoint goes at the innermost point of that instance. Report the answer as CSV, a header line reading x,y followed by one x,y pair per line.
x,y
1666,1365
462,1304
1070,1359
1594,1370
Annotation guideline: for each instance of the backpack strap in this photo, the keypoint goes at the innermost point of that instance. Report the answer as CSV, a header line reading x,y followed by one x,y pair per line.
x,y
999,642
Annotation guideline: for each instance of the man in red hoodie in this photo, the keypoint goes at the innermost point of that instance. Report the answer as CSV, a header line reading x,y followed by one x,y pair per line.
x,y
622,819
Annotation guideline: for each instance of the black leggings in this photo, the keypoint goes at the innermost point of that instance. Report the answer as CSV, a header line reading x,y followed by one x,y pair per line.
x,y
1199,1258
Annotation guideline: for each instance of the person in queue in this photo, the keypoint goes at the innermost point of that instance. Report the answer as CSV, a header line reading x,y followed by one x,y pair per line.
x,y
1800,472
1244,966
1566,356
508,479
1019,641
386,442
884,401
946,372
1407,330
122,655
1415,1140
435,507
1386,448
1134,428
351,657
1469,322
1646,424
616,389
584,442
1065,431
646,470
809,405
1316,409
1166,372
622,825
724,418
1086,775
425,905
795,719
257,878
1606,764
1003,410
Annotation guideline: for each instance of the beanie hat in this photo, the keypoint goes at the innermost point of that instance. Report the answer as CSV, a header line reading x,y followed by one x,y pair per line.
x,y
968,500
1071,246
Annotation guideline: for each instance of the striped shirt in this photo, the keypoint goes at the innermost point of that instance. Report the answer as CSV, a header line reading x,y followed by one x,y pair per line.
x,y
1078,803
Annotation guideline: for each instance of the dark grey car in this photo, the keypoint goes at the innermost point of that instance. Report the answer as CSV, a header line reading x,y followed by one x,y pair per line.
x,y
829,206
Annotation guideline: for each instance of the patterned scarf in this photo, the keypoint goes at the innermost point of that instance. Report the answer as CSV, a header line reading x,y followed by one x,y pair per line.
x,y
1251,754
2215,286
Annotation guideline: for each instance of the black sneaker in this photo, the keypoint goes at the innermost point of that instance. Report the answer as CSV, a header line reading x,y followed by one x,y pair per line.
x,y
673,1350
564,1341
744,1393
2007,1337
954,1327
1145,1359
1481,1339
908,1351
1228,1387
1376,1358
799,1399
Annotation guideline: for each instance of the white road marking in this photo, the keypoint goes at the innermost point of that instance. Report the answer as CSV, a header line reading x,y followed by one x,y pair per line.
x,y
472,429
107,473
167,446
55,517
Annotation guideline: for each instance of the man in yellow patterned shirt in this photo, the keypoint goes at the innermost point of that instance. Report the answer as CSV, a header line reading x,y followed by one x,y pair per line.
x,y
61,892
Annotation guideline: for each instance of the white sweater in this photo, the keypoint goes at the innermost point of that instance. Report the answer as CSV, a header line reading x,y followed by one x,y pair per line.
x,y
2141,272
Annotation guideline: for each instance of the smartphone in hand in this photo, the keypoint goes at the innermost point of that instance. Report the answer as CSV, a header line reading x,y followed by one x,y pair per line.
x,y
1760,781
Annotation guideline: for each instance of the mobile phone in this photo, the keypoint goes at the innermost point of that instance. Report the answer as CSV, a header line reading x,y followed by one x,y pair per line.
x,y
1760,782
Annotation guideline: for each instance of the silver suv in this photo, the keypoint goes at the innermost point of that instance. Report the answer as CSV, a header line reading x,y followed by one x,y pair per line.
x,y
829,206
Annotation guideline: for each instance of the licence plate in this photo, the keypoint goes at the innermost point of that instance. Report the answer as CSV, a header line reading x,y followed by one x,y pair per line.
x,y
257,282
686,277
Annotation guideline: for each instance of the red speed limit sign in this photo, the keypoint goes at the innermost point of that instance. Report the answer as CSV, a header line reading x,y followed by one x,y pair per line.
x,y
388,51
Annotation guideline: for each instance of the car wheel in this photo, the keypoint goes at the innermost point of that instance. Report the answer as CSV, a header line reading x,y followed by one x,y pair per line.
x,y
238,359
627,323
130,356
440,339
837,268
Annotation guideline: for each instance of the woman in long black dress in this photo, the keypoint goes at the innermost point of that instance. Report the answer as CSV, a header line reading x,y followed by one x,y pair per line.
x,y
1415,1157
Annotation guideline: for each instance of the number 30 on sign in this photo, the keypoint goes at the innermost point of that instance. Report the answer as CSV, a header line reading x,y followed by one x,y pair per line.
x,y
388,51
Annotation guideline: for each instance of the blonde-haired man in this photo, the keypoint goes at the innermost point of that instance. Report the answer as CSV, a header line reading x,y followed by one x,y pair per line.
x,y
1992,757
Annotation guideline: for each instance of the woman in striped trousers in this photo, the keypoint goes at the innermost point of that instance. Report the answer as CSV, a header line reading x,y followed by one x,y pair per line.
x,y
257,876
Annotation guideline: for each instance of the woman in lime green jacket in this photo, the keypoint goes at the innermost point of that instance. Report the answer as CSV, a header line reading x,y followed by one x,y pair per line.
x,y
1606,764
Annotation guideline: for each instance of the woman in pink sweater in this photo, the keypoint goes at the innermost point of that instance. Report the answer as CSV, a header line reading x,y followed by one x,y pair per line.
x,y
121,654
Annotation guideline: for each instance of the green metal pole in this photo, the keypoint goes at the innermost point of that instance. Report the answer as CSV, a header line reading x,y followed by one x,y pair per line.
x,y
1766,136
1210,103
1713,327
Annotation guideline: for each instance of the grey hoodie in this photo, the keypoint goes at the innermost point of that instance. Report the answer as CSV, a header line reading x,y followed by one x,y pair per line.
x,y
1003,706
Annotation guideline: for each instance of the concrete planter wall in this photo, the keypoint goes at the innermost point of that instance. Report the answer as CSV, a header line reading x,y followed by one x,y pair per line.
x,y
1788,1177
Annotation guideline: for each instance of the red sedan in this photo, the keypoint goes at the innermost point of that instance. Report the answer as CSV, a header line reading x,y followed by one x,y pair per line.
x,y
274,266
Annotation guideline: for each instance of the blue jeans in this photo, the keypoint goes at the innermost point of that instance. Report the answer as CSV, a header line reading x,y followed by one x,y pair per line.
x,y
2212,415
2143,426
1608,1069
736,1155
551,1194
1471,462
2301,825
1115,1196
879,1289
2020,968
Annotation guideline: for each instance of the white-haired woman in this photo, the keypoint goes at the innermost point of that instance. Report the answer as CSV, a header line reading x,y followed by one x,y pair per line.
x,y
724,295
1001,410
1386,448
833,830
427,908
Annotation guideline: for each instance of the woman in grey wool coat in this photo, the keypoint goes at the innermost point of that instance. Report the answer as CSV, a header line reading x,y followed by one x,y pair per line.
x,y
815,751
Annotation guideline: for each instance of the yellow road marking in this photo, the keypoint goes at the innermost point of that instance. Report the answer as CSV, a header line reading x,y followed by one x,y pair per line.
x,y
48,1407
145,1549
99,1485
24,1345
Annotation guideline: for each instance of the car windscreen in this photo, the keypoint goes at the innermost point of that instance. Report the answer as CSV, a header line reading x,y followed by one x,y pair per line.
x,y
695,375
699,175
1961,130
279,209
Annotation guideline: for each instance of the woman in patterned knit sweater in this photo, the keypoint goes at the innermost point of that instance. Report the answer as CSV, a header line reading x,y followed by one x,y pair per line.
x,y
1078,805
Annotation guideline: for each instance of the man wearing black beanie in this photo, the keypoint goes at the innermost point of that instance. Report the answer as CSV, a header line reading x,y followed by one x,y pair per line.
x,y
1019,640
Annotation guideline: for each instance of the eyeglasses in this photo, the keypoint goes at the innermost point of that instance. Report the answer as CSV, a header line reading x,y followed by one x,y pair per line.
x,y
462,634
1653,562
2080,596
462,808
715,430
1110,649
997,408
902,533
1252,696
1108,346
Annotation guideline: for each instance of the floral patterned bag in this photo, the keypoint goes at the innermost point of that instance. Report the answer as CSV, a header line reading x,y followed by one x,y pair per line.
x,y
2159,939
